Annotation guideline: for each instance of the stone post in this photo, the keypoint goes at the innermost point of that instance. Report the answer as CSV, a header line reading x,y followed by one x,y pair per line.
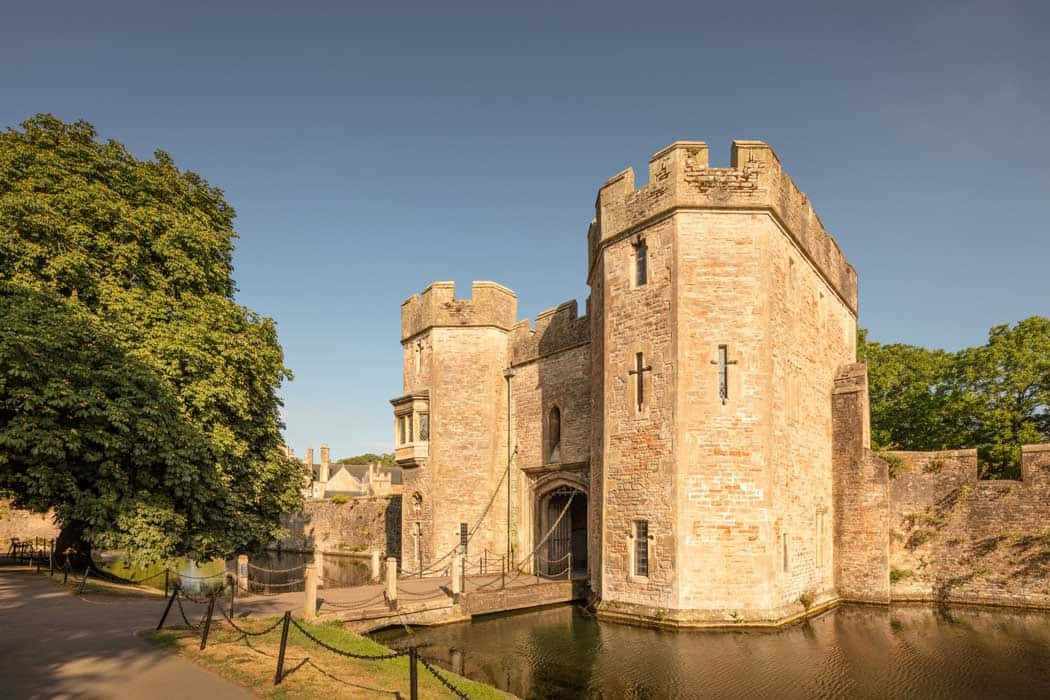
x,y
310,604
319,563
391,581
457,576
376,573
242,572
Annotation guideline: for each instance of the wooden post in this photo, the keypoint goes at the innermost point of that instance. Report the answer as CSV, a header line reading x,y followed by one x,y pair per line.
x,y
207,622
284,643
376,572
457,577
391,582
413,674
167,580
167,608
310,603
242,572
51,558
233,593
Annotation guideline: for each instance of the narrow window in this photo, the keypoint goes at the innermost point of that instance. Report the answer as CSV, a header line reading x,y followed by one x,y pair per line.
x,y
554,433
639,373
784,540
723,372
463,538
641,547
408,426
424,427
640,270
401,430
419,356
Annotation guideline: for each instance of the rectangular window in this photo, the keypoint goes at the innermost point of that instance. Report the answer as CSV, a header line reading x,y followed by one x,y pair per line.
x,y
401,430
723,372
408,426
641,547
424,426
463,538
784,539
640,270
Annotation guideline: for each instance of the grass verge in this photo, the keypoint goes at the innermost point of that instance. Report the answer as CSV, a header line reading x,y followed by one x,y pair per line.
x,y
310,670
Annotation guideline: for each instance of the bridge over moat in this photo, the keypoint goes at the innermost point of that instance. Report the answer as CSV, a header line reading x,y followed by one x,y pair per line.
x,y
421,601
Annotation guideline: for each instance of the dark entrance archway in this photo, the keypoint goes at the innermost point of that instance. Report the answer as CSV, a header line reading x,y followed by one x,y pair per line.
x,y
562,518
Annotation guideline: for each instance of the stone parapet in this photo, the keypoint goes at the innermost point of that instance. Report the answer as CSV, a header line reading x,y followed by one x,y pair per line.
x,y
556,329
490,304
680,178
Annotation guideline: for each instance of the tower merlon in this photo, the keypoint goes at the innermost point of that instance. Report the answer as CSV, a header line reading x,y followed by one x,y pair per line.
x,y
490,304
680,177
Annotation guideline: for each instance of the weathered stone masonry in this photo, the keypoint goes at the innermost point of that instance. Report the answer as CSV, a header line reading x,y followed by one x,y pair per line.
x,y
761,501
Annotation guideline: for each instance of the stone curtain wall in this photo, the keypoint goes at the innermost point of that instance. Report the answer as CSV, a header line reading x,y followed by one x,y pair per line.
x,y
23,525
363,524
955,537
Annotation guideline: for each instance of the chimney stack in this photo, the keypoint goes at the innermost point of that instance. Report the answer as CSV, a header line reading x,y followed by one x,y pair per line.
x,y
308,460
323,478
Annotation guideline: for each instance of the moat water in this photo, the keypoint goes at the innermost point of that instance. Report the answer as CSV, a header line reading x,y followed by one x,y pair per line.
x,y
848,652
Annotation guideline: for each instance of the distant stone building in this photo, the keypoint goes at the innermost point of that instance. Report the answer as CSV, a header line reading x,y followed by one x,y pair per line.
x,y
697,443
327,479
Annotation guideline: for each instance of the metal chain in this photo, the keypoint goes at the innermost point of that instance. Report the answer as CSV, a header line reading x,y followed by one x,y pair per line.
x,y
276,571
243,631
348,654
178,599
444,681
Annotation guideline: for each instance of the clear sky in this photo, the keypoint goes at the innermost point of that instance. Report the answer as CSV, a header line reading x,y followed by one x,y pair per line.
x,y
371,148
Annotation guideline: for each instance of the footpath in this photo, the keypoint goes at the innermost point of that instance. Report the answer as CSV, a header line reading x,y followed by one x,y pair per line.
x,y
57,644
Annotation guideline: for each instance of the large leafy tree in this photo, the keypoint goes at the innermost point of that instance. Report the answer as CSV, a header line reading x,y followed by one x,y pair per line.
x,y
995,397
141,251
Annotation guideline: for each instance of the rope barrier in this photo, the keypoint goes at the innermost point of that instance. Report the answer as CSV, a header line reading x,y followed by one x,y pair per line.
x,y
348,654
444,681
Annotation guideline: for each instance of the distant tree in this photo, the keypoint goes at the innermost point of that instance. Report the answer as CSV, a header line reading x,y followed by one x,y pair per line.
x,y
995,397
141,252
386,459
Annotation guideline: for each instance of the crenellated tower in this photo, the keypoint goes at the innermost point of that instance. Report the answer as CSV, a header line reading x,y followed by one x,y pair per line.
x,y
450,422
721,310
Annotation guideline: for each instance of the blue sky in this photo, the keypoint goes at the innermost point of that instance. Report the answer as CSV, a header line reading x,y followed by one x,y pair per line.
x,y
370,149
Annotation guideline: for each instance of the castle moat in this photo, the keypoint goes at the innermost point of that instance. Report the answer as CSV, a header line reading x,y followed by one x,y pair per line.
x,y
853,651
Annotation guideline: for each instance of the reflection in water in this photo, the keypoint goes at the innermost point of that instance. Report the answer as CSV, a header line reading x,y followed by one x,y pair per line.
x,y
851,651
281,572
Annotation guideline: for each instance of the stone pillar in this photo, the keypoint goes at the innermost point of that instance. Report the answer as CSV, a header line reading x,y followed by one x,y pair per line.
x,y
457,576
319,563
456,660
310,604
391,581
242,572
323,477
376,573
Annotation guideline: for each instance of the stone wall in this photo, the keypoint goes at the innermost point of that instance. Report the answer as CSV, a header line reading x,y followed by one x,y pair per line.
x,y
362,524
23,525
860,494
638,452
956,537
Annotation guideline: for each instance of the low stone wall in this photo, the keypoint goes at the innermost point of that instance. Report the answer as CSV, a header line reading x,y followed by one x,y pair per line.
x,y
957,538
23,524
362,524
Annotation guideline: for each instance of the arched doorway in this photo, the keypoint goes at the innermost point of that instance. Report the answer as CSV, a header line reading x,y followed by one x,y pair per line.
x,y
562,518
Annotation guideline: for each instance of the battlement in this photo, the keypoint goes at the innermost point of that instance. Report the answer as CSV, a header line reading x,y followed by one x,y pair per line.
x,y
680,177
490,304
556,329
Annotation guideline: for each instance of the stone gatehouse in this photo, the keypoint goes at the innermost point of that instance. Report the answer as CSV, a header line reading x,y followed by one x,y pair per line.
x,y
692,443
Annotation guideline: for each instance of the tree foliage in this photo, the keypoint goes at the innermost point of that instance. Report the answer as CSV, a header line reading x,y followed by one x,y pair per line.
x,y
385,459
136,255
995,397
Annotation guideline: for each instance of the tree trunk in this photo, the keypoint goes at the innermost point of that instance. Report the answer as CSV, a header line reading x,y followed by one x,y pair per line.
x,y
72,547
